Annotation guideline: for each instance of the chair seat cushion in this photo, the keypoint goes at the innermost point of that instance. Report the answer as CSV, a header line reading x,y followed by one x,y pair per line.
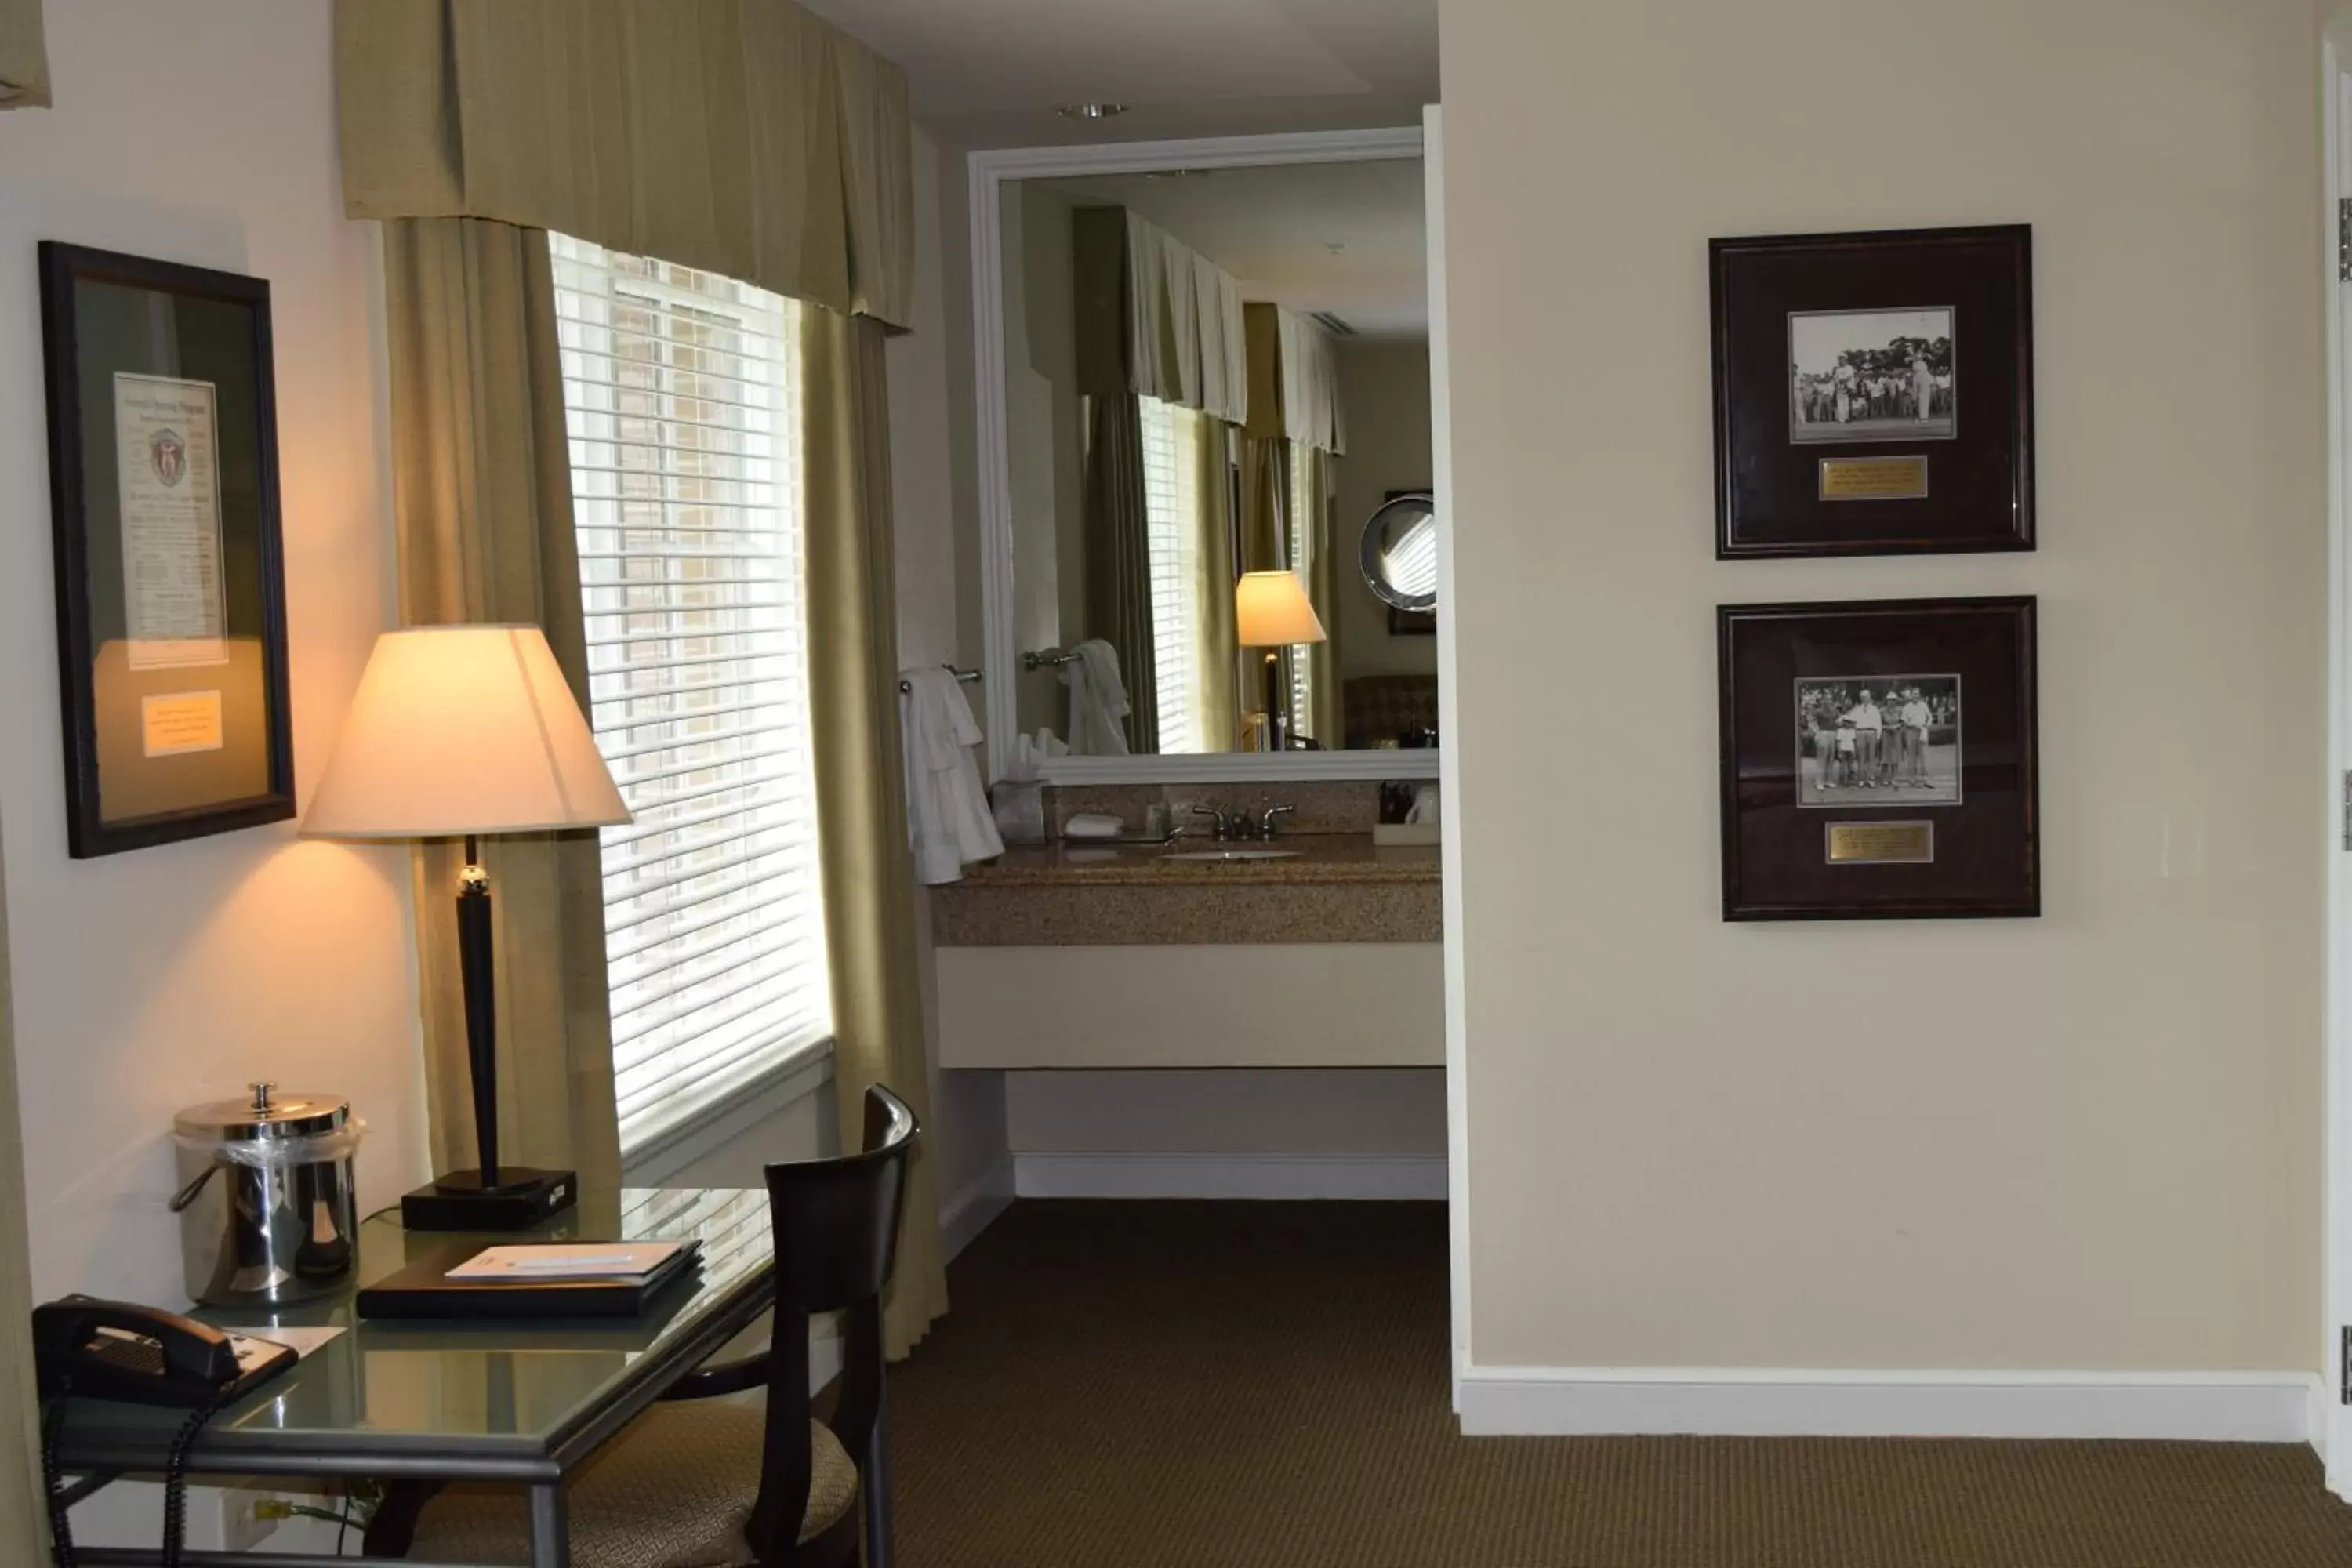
x,y
673,1489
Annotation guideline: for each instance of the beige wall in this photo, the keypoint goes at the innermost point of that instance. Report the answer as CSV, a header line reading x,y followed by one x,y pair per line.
x,y
1385,388
2089,1140
148,981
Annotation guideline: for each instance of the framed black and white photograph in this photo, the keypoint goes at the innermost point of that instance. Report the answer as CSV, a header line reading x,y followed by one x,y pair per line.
x,y
1868,740
170,578
1879,760
1874,392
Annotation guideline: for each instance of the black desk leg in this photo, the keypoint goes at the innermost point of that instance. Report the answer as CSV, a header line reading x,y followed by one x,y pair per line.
x,y
881,1550
551,1543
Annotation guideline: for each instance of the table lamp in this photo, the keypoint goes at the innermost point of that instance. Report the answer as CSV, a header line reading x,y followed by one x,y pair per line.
x,y
1271,611
459,732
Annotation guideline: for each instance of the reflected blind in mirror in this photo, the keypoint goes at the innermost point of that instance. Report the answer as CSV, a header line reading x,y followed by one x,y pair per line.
x,y
1298,526
1171,505
681,401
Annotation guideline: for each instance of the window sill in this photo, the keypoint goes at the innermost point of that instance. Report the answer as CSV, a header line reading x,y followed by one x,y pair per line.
x,y
675,1148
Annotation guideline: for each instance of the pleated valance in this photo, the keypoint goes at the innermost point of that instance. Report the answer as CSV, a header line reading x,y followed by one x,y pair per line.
x,y
1294,380
746,137
24,58
1155,316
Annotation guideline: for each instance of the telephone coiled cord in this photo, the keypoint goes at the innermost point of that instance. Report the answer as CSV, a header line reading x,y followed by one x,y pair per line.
x,y
176,1478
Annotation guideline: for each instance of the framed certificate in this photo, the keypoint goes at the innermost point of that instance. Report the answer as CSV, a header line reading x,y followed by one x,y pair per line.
x,y
170,578
1874,392
1879,760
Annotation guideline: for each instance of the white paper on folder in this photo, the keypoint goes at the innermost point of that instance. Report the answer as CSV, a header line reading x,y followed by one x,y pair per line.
x,y
619,1261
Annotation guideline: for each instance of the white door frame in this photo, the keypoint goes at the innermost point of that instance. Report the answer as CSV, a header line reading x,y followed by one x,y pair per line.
x,y
1000,659
2331,1427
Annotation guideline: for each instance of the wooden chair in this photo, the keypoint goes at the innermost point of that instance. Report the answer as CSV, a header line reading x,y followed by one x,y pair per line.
x,y
734,1486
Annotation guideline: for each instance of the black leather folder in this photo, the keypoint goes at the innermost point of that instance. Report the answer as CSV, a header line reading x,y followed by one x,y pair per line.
x,y
425,1290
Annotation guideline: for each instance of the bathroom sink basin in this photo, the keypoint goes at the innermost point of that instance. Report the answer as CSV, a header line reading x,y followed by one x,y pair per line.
x,y
1206,856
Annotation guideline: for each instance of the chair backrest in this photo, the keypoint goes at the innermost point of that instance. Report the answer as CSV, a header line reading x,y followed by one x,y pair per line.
x,y
836,1230
837,1220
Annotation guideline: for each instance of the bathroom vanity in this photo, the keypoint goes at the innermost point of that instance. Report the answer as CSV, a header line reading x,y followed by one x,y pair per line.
x,y
1318,949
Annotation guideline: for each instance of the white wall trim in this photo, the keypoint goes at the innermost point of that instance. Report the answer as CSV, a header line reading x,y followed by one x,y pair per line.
x,y
679,1147
2336,1060
2194,1407
1342,1176
1000,659
975,1207
1452,896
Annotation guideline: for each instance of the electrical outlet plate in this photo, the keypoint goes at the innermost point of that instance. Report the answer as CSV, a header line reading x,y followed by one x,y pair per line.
x,y
243,1524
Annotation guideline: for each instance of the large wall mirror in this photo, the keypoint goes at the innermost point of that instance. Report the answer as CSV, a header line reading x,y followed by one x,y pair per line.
x,y
1206,418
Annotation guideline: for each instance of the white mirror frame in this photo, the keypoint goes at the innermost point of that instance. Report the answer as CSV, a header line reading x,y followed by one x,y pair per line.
x,y
1001,660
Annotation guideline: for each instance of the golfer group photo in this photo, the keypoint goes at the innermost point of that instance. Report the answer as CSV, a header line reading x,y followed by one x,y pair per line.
x,y
1872,741
1871,375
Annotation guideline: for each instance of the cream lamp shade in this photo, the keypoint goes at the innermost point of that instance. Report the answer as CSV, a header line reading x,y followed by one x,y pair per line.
x,y
1271,610
463,729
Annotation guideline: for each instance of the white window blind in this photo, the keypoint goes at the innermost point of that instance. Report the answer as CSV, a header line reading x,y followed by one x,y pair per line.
x,y
1173,511
1302,561
681,400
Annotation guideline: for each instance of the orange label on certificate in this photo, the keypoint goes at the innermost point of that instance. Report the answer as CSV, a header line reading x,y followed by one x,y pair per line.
x,y
181,722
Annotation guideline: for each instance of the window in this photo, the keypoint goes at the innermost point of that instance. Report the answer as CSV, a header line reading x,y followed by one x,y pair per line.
x,y
681,401
1171,505
1298,508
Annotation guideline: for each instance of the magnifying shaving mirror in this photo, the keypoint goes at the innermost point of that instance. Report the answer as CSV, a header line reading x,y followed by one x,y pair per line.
x,y
1399,554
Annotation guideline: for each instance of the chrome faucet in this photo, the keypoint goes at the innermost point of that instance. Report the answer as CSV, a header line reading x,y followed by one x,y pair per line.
x,y
1240,827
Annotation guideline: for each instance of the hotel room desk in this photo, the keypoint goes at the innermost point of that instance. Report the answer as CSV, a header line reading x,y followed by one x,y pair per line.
x,y
519,1402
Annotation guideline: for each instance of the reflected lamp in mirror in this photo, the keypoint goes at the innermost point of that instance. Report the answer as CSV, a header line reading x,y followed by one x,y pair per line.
x,y
1271,611
456,732
1399,553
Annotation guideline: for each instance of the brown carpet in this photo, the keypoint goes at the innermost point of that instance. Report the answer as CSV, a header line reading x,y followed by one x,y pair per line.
x,y
1226,1386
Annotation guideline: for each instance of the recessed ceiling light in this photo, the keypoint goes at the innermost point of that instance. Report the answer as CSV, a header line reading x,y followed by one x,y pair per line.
x,y
1090,110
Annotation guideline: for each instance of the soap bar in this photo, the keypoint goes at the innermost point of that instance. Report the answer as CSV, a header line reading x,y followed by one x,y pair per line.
x,y
1093,824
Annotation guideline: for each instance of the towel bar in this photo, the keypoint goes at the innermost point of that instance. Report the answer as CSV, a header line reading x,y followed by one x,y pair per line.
x,y
1044,656
968,677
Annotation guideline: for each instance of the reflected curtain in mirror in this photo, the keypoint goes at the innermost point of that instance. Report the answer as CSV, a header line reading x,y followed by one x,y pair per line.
x,y
1118,558
869,872
482,515
24,55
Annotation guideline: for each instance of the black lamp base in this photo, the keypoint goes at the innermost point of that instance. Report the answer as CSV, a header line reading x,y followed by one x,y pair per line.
x,y
518,1199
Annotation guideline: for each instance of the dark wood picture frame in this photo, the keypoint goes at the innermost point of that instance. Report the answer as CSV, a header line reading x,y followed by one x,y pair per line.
x,y
1789,478
1966,790
222,337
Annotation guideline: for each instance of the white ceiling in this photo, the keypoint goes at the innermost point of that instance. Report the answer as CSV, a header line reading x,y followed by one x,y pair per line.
x,y
990,73
1274,229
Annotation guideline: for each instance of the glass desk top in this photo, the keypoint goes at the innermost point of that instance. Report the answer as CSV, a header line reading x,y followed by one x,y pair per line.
x,y
490,1397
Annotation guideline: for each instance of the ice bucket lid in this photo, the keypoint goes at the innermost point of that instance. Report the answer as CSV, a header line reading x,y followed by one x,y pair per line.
x,y
265,1116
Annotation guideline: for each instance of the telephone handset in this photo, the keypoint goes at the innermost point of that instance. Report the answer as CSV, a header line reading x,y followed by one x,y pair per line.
x,y
85,1348
118,1350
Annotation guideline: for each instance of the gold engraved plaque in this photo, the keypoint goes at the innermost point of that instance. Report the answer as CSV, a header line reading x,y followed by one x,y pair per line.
x,y
1882,842
1874,478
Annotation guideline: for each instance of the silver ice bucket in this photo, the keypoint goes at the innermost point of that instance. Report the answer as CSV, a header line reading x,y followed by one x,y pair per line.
x,y
267,1213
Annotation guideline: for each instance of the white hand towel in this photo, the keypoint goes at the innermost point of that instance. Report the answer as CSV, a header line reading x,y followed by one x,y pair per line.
x,y
948,819
1097,700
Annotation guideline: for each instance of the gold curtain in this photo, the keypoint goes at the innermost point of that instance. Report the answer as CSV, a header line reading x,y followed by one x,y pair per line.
x,y
24,55
21,1527
1216,654
482,512
1327,720
870,875
1118,558
746,137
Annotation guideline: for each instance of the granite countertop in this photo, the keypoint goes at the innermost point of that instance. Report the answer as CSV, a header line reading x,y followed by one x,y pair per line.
x,y
1321,859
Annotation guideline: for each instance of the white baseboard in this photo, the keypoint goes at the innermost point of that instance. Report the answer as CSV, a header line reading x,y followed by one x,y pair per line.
x,y
975,1207
2212,1407
1357,1176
